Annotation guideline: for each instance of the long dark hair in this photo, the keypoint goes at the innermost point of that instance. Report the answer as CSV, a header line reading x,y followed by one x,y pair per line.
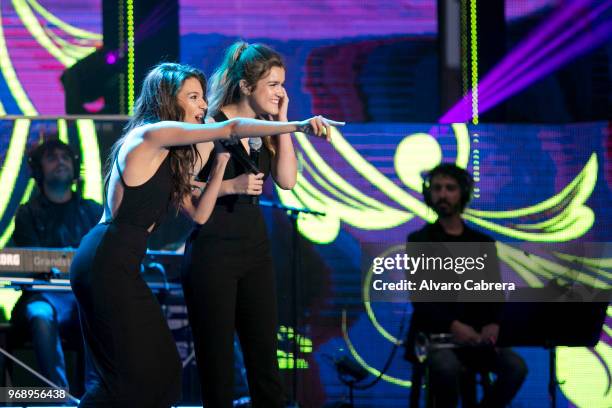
x,y
242,60
157,102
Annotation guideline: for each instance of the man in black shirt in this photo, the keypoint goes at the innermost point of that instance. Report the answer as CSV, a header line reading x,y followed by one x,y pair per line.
x,y
474,326
57,217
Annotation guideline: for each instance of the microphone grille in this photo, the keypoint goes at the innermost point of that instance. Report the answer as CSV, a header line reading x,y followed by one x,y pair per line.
x,y
255,143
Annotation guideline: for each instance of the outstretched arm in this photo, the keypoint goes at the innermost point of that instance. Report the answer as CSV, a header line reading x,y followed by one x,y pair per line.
x,y
167,133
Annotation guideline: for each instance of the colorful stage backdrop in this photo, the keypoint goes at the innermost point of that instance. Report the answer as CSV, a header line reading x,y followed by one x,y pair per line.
x,y
547,183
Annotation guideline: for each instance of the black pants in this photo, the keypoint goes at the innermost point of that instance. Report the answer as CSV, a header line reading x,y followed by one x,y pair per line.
x,y
132,348
446,367
229,285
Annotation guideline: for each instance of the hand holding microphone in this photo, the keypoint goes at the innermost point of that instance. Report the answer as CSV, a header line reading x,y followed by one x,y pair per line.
x,y
248,183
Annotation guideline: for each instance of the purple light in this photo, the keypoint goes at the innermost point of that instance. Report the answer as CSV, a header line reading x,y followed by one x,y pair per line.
x,y
111,58
525,65
505,79
536,39
584,44
461,112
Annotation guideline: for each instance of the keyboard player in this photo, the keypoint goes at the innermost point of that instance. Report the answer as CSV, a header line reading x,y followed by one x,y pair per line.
x,y
56,217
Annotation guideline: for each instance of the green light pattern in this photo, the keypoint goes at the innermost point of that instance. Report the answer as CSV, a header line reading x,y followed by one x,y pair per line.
x,y
130,54
90,165
122,48
284,331
286,359
425,153
549,269
519,261
12,162
305,344
10,76
594,265
582,375
334,191
593,262
15,153
474,58
8,297
462,137
62,130
347,203
365,293
578,191
342,202
33,26
67,28
71,50
573,220
64,51
374,176
8,232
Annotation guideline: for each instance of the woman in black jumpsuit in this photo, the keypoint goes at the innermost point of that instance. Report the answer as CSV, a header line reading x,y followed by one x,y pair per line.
x,y
229,284
228,278
133,350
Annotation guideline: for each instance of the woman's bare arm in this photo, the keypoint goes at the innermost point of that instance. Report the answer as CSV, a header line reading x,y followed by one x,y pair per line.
x,y
167,133
284,163
200,207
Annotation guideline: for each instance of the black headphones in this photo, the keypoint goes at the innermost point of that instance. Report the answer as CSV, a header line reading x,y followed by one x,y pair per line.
x,y
35,159
464,179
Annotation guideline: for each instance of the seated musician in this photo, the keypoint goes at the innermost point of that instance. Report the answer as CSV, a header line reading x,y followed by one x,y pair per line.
x,y
56,217
474,326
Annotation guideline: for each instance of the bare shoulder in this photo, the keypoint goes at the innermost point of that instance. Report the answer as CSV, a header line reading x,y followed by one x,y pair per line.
x,y
205,148
137,151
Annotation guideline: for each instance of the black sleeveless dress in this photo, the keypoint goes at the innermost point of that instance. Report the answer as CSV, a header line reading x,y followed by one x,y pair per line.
x,y
229,285
125,331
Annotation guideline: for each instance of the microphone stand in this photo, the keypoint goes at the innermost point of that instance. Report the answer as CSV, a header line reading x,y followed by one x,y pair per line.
x,y
293,213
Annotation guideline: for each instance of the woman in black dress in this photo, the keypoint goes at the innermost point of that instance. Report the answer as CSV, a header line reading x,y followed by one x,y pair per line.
x,y
228,277
149,168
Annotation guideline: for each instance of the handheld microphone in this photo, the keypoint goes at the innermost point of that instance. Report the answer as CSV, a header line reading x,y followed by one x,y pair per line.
x,y
239,153
255,144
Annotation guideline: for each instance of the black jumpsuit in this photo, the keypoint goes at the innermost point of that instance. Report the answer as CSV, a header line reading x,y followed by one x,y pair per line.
x,y
229,284
129,340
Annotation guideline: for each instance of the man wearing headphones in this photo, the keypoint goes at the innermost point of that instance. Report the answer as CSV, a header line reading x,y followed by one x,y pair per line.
x,y
56,217
473,326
